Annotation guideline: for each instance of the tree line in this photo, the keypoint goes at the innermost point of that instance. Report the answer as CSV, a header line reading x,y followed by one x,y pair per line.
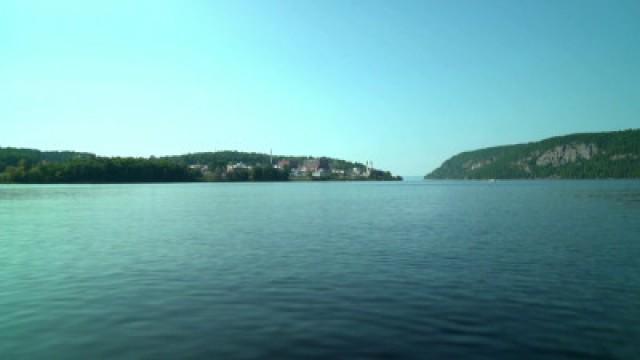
x,y
98,170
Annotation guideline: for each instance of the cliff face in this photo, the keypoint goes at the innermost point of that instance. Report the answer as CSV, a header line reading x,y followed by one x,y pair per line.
x,y
566,154
597,155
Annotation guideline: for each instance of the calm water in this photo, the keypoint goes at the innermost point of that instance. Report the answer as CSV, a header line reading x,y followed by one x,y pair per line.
x,y
321,270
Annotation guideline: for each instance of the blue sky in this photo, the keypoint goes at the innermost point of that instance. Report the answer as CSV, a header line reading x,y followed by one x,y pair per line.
x,y
403,83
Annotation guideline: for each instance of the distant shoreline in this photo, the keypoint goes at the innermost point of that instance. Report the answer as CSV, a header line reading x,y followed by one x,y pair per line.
x,y
202,182
30,166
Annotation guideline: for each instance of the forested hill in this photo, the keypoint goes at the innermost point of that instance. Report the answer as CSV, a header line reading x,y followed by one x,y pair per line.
x,y
30,157
577,156
38,167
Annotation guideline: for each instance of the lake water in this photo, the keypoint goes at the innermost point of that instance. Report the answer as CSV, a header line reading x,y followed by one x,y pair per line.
x,y
547,269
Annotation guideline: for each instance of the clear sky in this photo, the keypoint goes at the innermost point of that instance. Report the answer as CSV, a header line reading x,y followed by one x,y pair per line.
x,y
406,84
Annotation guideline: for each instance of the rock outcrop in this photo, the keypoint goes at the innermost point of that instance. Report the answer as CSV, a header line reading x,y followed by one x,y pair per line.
x,y
565,154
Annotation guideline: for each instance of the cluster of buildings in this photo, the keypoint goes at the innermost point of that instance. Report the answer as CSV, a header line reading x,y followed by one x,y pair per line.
x,y
320,168
308,168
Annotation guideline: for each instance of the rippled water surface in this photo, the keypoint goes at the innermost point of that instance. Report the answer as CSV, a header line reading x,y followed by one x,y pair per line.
x,y
321,270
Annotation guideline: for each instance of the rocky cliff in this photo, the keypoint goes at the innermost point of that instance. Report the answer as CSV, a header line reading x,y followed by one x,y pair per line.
x,y
594,155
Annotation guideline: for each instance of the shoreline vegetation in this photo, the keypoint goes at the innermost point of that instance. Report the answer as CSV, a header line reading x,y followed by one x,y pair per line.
x,y
603,155
29,166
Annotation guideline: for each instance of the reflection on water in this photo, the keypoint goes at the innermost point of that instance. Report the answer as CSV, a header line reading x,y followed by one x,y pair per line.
x,y
544,269
626,191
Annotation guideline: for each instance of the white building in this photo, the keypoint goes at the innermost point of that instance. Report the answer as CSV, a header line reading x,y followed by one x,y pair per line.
x,y
237,166
297,172
202,168
320,173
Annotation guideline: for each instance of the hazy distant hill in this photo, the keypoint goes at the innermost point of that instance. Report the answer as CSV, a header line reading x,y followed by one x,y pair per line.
x,y
577,156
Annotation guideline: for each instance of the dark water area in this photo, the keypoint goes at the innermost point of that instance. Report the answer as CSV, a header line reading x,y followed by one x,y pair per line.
x,y
402,270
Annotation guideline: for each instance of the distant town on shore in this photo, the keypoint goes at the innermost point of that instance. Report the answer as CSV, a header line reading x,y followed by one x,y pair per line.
x,y
34,166
292,169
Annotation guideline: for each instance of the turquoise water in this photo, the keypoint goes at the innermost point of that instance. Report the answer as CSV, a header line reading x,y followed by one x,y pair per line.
x,y
321,270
